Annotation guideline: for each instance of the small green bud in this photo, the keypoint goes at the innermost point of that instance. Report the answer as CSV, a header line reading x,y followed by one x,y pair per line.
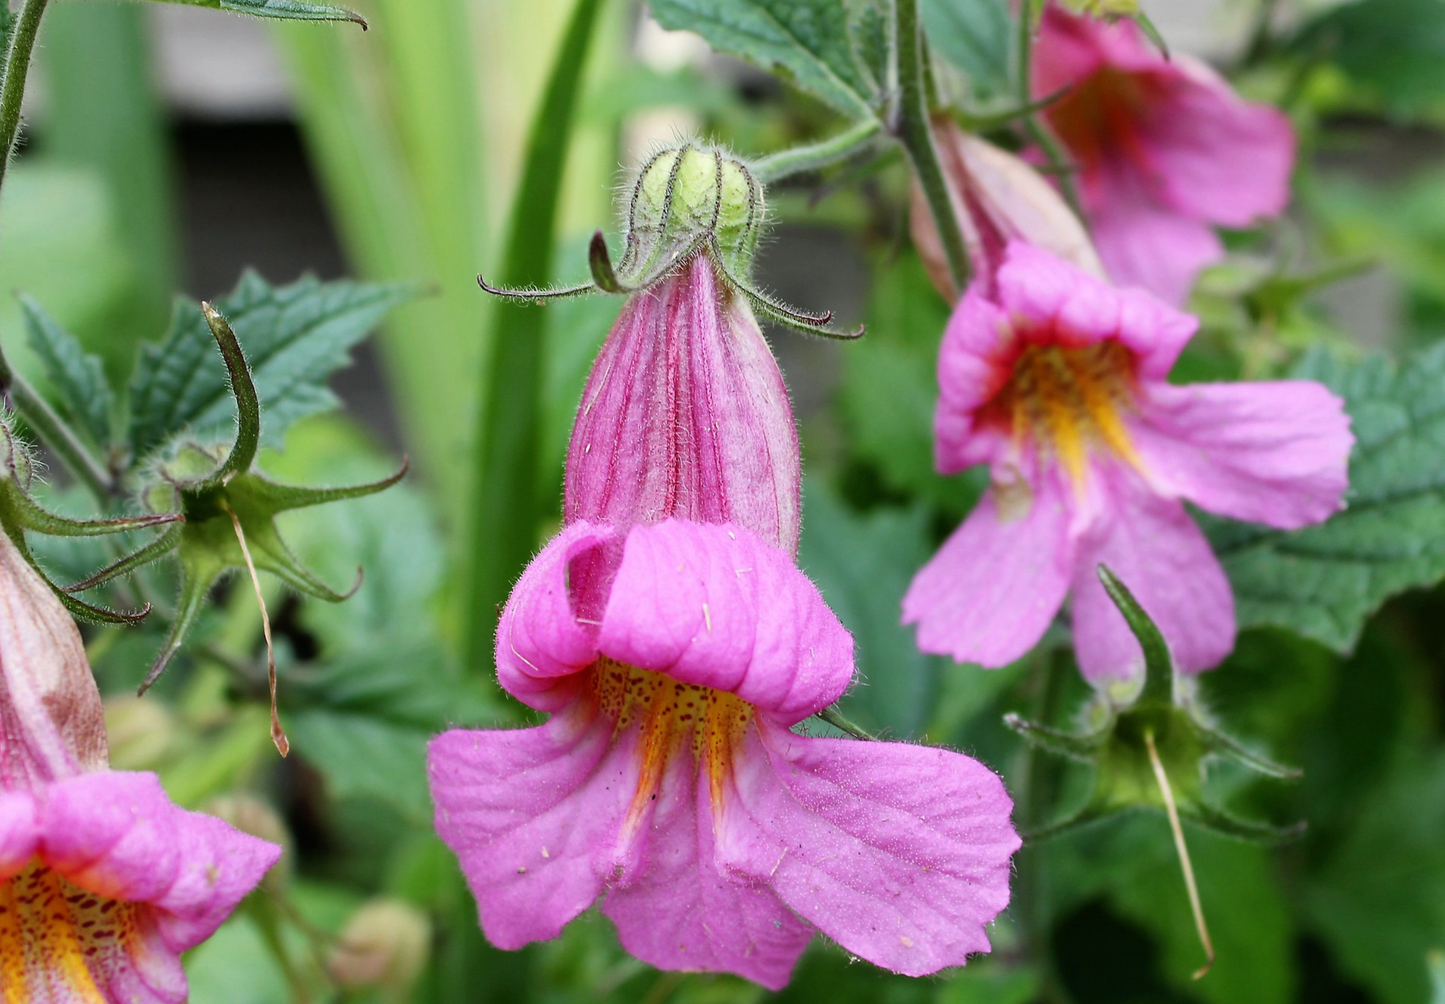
x,y
686,198
385,945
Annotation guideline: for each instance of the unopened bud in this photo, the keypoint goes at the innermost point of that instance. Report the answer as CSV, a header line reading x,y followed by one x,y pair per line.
x,y
996,198
385,945
141,731
686,197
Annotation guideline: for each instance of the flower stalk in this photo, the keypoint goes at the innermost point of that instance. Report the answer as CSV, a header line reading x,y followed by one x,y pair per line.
x,y
17,68
812,157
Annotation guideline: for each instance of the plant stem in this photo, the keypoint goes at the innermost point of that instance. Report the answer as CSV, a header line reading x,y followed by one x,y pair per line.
x,y
17,67
54,433
911,127
839,721
816,156
1037,130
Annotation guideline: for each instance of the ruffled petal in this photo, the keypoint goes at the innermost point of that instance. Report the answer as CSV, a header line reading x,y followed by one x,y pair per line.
x,y
899,853
1158,551
535,817
714,606
990,592
685,912
974,363
1274,453
116,834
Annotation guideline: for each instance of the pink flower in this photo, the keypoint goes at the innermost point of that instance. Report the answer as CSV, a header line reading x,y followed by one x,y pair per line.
x,y
997,198
103,882
685,414
674,659
1059,384
1164,149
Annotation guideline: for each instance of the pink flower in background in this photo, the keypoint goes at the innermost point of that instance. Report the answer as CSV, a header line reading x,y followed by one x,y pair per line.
x,y
1165,149
674,659
103,881
1059,384
996,198
685,414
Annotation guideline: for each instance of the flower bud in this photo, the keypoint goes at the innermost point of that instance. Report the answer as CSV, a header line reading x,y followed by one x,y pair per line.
x,y
689,195
996,198
141,731
385,945
51,725
685,414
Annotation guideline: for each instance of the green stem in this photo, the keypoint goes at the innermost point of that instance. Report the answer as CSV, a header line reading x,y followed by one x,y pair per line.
x,y
911,125
506,511
54,433
1038,132
839,721
17,67
816,156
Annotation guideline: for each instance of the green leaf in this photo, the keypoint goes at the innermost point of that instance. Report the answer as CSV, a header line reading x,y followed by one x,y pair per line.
x,y
1392,47
294,337
974,36
1379,898
863,564
808,41
287,10
1325,581
82,396
365,721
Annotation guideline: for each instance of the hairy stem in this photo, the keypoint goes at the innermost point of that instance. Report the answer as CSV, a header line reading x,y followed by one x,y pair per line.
x,y
17,68
55,433
911,127
816,156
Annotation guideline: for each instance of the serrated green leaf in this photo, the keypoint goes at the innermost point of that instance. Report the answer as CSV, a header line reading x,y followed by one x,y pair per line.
x,y
294,337
288,10
1392,47
81,394
973,35
1325,581
863,564
808,41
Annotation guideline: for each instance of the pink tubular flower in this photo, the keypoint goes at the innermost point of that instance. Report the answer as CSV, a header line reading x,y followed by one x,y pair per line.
x,y
674,659
1164,148
996,198
1059,384
685,414
103,881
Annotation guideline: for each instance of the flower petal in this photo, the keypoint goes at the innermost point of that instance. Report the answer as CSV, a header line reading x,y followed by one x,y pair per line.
x,y
974,363
714,606
117,834
534,816
990,592
899,853
19,832
1146,245
1274,453
1155,549
685,912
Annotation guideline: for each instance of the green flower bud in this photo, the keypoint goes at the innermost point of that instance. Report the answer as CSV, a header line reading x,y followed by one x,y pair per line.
x,y
688,198
385,945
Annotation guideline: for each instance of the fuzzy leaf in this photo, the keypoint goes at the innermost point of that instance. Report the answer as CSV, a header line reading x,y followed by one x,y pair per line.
x,y
289,10
1325,581
294,337
808,41
81,394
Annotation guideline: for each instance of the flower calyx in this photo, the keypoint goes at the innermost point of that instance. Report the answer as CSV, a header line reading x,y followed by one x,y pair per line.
x,y
19,512
227,511
1150,748
688,199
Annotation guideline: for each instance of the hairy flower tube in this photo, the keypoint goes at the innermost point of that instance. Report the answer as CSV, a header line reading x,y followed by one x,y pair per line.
x,y
996,198
103,881
1058,383
1164,147
674,660
685,414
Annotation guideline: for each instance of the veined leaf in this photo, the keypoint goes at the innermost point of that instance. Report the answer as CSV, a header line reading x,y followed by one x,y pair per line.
x,y
809,41
289,10
294,337
81,394
1325,581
